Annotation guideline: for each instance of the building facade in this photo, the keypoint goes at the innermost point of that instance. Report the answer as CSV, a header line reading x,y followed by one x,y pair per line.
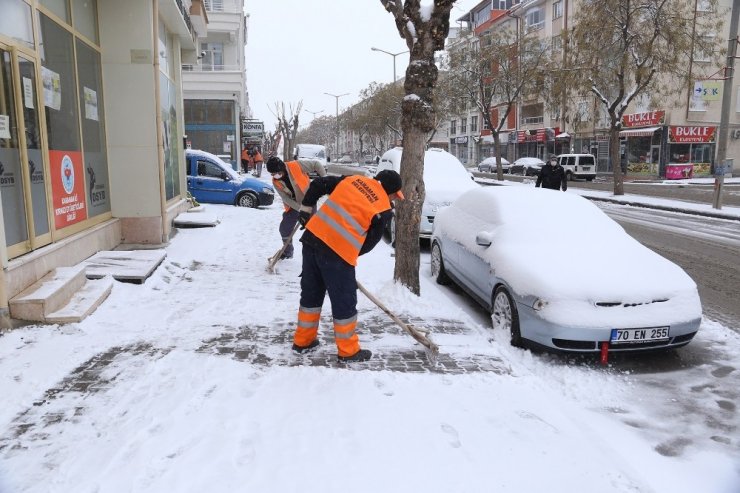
x,y
671,141
215,86
91,128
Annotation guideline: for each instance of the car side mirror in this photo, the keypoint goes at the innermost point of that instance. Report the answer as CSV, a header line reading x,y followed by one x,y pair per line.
x,y
483,239
225,176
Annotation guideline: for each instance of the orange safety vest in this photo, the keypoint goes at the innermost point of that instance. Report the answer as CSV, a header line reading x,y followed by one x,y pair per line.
x,y
342,222
297,177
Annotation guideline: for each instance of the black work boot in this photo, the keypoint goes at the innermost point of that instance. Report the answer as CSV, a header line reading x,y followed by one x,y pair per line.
x,y
361,355
301,349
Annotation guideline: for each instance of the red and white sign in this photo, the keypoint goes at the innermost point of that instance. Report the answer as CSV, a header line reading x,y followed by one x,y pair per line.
x,y
644,119
690,134
67,188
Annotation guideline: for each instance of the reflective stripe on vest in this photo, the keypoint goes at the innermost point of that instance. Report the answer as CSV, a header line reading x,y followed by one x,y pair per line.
x,y
342,222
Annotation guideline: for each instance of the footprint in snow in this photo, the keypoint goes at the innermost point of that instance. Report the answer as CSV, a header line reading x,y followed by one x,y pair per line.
x,y
452,432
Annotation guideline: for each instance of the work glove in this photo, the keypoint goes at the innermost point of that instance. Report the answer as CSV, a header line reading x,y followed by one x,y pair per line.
x,y
304,214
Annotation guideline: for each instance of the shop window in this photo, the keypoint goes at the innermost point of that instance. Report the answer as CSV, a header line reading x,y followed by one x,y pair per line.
x,y
86,18
93,129
58,7
60,100
15,22
170,135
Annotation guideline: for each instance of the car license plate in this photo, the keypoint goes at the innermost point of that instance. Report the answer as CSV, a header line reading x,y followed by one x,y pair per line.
x,y
639,335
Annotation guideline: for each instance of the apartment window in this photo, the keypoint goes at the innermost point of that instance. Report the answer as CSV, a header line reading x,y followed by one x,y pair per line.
x,y
214,57
463,125
557,44
473,123
704,6
557,10
453,127
215,5
485,125
703,48
506,4
535,19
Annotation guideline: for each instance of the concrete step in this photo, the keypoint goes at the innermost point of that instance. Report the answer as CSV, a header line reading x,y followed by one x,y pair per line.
x,y
84,301
49,294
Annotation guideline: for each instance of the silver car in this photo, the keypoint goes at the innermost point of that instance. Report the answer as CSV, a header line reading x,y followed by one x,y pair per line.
x,y
556,283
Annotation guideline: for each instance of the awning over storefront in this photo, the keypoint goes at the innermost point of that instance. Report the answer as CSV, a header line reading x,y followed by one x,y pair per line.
x,y
639,132
563,136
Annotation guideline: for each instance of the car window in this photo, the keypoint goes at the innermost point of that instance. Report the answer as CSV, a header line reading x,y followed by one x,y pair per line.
x,y
586,160
571,161
207,168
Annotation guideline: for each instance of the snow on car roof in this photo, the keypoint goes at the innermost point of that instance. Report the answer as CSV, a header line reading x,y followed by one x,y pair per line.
x,y
562,247
529,160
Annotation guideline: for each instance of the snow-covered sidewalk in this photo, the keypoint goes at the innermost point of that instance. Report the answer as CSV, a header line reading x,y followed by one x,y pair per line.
x,y
187,384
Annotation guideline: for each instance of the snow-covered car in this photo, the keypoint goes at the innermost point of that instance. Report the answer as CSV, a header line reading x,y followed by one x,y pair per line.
x,y
445,179
526,166
488,165
486,243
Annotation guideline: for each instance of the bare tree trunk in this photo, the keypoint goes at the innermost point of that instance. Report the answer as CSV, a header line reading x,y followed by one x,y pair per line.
x,y
497,146
616,161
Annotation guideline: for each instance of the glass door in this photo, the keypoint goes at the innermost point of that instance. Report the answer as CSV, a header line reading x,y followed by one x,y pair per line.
x,y
11,180
36,189
22,172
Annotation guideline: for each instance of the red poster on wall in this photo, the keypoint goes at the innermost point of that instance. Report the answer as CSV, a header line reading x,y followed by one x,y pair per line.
x,y
67,188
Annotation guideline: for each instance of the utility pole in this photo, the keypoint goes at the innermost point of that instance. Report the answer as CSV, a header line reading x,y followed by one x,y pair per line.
x,y
719,178
336,97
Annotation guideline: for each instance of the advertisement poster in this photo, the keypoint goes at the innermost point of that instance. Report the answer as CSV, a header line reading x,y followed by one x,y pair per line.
x,y
52,88
4,127
91,104
27,93
67,188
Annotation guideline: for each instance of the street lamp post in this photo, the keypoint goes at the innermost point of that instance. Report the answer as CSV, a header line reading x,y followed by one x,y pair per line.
x,y
336,97
314,113
394,55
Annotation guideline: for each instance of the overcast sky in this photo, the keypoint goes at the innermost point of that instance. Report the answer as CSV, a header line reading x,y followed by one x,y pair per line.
x,y
298,50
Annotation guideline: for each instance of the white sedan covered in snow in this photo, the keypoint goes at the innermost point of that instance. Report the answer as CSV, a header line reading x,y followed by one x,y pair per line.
x,y
575,286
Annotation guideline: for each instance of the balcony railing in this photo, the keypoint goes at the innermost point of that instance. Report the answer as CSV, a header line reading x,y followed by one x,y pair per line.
x,y
211,68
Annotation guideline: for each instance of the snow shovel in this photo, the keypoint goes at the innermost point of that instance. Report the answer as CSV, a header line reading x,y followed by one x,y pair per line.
x,y
431,349
275,258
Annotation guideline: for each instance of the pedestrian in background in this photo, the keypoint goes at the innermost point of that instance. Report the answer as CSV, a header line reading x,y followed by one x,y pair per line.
x,y
256,161
552,176
291,181
349,224
245,159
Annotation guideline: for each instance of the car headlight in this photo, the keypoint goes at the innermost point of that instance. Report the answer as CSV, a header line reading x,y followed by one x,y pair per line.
x,y
267,190
539,304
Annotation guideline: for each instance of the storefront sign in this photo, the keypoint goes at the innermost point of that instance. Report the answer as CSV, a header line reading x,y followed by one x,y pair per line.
x,y
707,90
67,188
461,140
644,119
690,134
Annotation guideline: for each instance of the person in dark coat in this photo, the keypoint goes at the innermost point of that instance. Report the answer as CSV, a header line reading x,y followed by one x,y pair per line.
x,y
552,176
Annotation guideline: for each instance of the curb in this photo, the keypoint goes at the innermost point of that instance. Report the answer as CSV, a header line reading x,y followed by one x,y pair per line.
x,y
716,215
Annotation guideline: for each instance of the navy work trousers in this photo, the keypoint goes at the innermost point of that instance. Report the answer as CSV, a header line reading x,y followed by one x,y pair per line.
x,y
325,271
290,218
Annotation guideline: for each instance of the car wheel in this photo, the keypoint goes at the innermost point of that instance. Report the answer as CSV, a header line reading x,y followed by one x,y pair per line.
x,y
438,267
505,315
392,231
569,176
247,200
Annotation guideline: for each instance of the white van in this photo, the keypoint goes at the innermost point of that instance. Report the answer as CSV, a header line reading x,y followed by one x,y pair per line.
x,y
578,166
445,179
310,151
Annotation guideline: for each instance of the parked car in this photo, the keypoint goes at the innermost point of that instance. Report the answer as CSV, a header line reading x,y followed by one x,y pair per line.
x,y
578,166
445,179
210,180
526,166
311,151
488,165
549,285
